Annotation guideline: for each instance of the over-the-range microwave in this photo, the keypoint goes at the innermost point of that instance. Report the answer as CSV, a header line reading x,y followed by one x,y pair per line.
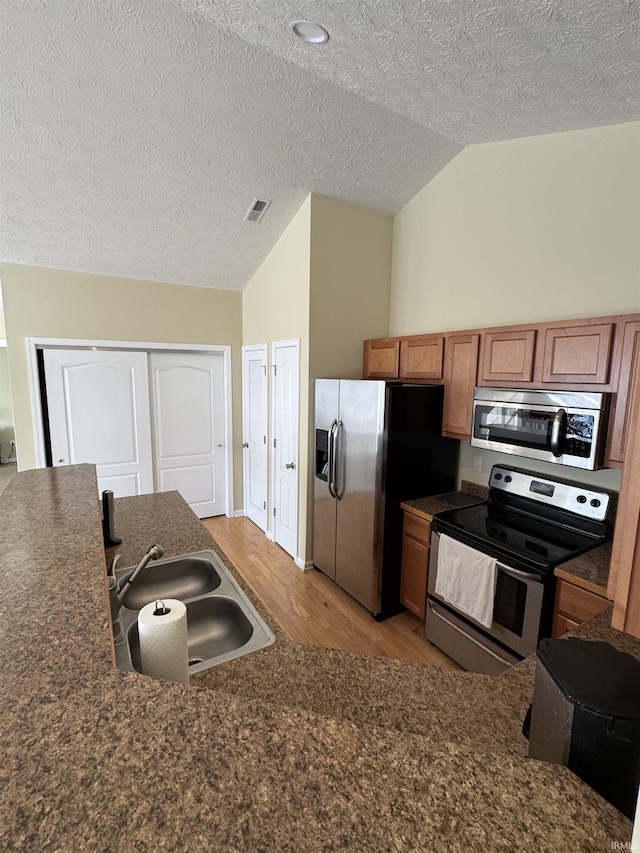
x,y
564,427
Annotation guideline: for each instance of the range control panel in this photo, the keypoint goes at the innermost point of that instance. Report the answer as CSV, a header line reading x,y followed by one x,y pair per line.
x,y
573,497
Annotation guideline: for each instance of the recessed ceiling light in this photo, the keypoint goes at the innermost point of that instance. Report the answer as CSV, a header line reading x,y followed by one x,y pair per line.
x,y
310,32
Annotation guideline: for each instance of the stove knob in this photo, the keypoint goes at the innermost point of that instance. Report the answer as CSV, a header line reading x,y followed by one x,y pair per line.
x,y
498,476
595,502
581,499
508,478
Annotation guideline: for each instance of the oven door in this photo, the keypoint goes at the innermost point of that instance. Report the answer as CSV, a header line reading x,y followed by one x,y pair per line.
x,y
517,609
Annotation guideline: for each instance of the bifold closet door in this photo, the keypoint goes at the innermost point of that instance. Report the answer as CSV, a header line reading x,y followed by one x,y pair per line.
x,y
98,403
189,428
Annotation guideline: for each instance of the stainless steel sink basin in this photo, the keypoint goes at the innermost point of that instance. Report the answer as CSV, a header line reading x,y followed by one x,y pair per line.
x,y
216,626
176,577
222,624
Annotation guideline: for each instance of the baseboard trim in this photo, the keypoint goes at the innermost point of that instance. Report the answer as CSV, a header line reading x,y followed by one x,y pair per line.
x,y
239,513
300,563
269,535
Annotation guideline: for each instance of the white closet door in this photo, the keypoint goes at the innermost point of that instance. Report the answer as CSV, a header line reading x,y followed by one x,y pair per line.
x,y
285,399
254,428
189,427
99,413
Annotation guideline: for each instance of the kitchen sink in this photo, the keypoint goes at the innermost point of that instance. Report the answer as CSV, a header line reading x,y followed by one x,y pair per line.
x,y
222,624
216,626
177,577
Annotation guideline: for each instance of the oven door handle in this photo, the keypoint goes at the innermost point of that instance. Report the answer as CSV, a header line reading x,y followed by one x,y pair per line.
x,y
558,430
467,636
516,573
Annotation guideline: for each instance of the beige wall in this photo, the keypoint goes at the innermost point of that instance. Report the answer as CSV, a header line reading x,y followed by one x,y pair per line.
x,y
42,302
546,227
327,282
350,284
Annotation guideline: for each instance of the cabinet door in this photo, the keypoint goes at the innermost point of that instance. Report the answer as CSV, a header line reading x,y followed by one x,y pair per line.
x,y
507,356
461,366
627,392
421,357
578,354
413,581
381,358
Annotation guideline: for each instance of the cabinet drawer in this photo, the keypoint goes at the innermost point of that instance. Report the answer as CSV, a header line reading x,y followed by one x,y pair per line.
x,y
578,604
418,528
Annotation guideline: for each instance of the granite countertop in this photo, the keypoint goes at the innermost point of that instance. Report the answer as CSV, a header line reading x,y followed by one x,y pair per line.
x,y
293,748
428,507
589,571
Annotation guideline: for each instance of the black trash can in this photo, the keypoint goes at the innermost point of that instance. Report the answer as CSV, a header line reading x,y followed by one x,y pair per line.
x,y
586,715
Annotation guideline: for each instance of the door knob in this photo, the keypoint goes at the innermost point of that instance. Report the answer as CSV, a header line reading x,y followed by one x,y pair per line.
x,y
246,444
290,465
60,460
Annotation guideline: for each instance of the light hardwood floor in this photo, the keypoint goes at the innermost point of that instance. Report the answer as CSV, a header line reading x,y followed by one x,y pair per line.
x,y
312,609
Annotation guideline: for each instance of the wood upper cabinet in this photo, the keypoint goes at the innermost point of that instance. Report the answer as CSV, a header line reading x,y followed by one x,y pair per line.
x,y
507,356
421,357
579,354
416,537
628,391
381,358
461,367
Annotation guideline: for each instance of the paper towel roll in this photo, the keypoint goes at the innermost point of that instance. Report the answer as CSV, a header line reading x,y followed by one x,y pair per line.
x,y
163,640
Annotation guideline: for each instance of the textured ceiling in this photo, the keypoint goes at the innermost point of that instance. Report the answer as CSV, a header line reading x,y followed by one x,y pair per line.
x,y
136,133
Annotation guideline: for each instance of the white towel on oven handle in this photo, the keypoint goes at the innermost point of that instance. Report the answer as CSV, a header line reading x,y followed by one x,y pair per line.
x,y
466,579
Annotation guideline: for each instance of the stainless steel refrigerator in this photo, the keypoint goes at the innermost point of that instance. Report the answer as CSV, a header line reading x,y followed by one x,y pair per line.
x,y
376,444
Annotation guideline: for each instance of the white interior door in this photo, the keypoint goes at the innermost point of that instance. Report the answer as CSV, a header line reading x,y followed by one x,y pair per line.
x,y
254,432
285,403
189,428
99,413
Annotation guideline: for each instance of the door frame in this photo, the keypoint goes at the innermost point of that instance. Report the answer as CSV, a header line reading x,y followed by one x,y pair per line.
x,y
294,342
263,349
34,344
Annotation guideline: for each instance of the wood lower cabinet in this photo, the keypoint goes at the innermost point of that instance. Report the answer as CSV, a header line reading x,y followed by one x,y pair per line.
x,y
578,354
421,357
507,356
573,605
461,367
381,358
416,536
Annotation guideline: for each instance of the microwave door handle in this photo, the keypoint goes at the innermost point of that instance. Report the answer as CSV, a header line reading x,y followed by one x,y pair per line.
x,y
330,484
558,428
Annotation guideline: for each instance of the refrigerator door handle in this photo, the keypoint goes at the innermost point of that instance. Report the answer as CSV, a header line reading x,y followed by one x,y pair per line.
x,y
334,424
336,451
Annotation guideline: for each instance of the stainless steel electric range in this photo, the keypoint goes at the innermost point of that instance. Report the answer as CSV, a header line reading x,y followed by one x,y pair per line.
x,y
529,525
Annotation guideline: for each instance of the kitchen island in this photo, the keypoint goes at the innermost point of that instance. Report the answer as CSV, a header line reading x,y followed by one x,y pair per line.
x,y
292,748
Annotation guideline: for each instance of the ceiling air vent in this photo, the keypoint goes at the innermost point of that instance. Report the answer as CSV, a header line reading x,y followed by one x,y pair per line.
x,y
257,210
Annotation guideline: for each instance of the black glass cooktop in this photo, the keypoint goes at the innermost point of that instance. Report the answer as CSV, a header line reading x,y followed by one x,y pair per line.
x,y
522,539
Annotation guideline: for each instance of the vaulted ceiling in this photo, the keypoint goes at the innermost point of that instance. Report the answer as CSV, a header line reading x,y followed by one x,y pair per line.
x,y
136,133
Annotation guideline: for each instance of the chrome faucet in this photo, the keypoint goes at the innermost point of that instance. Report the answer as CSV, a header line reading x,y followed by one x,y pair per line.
x,y
152,554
